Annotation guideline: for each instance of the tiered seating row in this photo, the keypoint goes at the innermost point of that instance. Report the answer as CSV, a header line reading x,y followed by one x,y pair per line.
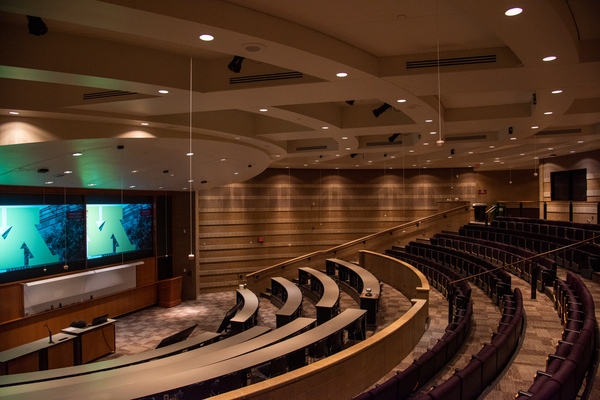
x,y
405,383
583,259
495,284
565,229
483,368
503,254
575,353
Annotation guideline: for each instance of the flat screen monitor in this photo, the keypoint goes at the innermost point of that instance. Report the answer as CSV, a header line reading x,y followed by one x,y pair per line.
x,y
100,320
178,337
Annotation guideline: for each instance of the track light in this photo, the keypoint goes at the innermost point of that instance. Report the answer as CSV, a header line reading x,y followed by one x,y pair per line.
x,y
236,64
381,109
393,137
350,102
36,26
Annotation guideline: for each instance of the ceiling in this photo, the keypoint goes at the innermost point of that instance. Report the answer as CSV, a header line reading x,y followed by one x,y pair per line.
x,y
91,85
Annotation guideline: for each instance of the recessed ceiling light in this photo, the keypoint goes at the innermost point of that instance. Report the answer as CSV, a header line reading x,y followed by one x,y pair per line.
x,y
237,138
492,146
549,58
414,165
356,165
91,184
393,157
480,163
190,180
206,37
48,183
548,113
411,151
277,155
370,160
223,159
449,156
558,91
425,144
535,127
337,155
522,154
135,171
428,120
536,157
572,151
145,123
513,138
580,141
263,110
513,11
13,113
341,74
131,186
163,91
344,137
348,148
550,148
190,154
185,188
235,173
306,165
401,100
424,167
432,133
470,152
324,127
428,160
67,172
77,154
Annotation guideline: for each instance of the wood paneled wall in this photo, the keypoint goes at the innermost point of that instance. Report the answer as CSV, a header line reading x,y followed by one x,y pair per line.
x,y
296,212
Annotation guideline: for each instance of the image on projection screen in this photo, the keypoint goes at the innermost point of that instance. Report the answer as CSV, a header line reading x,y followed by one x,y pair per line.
x,y
38,235
118,228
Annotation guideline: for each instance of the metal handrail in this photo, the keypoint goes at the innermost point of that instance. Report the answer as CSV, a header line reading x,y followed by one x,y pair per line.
x,y
416,222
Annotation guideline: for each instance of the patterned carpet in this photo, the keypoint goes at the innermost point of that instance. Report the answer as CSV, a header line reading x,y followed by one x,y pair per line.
x,y
143,330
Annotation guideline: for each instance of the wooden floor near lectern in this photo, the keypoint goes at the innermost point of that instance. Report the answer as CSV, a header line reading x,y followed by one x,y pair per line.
x,y
169,292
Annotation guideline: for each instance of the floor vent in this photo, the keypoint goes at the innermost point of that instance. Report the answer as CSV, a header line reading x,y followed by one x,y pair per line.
x,y
388,143
107,93
308,148
462,138
447,62
558,132
265,77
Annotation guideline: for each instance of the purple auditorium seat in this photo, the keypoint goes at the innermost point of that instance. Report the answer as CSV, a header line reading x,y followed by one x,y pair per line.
x,y
449,390
441,354
541,379
426,365
579,355
363,396
408,381
488,356
386,391
550,391
566,378
451,338
470,377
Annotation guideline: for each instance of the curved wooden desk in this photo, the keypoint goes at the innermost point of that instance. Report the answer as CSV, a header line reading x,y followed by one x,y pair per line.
x,y
327,290
244,318
290,295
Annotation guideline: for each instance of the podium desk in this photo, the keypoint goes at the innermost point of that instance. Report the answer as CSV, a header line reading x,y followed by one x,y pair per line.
x,y
93,341
39,355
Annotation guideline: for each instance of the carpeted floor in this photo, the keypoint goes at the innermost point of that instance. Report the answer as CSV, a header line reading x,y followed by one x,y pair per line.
x,y
143,330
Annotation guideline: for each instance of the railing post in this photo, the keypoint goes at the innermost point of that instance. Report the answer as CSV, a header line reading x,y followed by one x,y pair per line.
x,y
533,272
598,212
521,209
545,210
451,297
570,211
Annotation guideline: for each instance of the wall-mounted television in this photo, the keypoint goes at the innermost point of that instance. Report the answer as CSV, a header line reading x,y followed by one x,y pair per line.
x,y
40,236
118,231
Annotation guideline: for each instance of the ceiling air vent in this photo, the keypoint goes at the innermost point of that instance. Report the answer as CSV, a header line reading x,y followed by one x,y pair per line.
x,y
107,93
461,138
446,62
388,143
558,132
308,148
265,77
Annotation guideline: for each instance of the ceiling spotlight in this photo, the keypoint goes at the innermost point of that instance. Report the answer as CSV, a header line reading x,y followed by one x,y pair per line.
x,y
236,64
440,142
36,26
206,37
549,58
381,109
350,102
77,154
513,11
393,137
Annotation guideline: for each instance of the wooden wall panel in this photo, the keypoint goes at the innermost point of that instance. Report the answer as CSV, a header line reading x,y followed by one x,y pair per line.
x,y
11,303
